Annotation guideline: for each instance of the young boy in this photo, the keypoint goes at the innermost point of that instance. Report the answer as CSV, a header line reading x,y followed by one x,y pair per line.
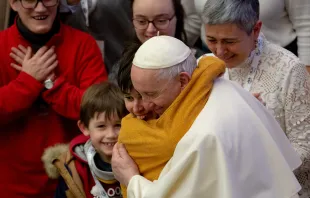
x,y
85,167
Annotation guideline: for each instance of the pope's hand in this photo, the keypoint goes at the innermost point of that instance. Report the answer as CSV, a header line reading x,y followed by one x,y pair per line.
x,y
123,166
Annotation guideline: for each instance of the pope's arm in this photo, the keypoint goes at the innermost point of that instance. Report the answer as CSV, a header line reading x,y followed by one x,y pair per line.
x,y
185,174
242,153
226,165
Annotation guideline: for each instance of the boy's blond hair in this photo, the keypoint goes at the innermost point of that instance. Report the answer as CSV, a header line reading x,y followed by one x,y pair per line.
x,y
99,98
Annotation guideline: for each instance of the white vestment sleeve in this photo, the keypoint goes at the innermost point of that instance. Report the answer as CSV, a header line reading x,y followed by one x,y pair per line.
x,y
234,149
184,174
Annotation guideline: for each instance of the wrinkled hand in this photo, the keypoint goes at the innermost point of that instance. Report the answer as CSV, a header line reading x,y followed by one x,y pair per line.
x,y
18,54
40,66
258,97
123,166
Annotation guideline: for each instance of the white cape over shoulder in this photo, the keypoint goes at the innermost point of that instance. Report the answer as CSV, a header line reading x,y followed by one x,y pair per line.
x,y
234,149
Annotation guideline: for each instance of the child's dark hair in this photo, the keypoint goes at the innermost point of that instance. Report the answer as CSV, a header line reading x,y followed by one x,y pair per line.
x,y
125,64
102,97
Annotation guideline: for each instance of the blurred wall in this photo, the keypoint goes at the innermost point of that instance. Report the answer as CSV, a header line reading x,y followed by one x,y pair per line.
x,y
4,14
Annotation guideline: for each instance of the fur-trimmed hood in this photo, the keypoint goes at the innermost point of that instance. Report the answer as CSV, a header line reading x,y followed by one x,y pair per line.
x,y
50,155
63,152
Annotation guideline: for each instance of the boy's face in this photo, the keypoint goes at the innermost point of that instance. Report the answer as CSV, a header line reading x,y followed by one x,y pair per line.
x,y
103,133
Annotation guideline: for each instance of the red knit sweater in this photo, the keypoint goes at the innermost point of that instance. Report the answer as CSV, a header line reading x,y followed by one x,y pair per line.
x,y
31,118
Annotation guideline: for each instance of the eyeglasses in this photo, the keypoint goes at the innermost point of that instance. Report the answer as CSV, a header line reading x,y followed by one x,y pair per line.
x,y
32,4
160,23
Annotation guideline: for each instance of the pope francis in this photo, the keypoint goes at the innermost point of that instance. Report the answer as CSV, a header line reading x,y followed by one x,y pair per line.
x,y
212,138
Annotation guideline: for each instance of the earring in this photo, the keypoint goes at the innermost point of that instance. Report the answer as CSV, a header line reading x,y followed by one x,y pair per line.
x,y
256,48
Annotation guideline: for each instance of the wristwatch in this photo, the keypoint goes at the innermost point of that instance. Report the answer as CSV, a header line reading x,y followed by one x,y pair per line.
x,y
48,84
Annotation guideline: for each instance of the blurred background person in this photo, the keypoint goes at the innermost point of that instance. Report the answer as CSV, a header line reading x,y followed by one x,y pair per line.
x,y
108,21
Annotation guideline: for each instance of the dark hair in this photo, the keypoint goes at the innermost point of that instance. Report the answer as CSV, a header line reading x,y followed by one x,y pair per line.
x,y
125,63
179,13
103,97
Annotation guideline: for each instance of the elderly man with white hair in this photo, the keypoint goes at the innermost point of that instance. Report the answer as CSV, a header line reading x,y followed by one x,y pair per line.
x,y
211,139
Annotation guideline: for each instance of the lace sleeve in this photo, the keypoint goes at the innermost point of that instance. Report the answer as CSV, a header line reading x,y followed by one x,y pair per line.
x,y
297,119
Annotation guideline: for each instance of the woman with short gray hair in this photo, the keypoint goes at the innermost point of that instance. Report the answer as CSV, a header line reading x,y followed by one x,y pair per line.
x,y
270,72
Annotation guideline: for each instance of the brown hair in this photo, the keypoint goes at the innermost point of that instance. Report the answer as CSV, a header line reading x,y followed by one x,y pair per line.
x,y
102,97
125,63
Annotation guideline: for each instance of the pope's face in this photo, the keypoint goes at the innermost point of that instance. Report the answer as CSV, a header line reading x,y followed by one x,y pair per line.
x,y
160,93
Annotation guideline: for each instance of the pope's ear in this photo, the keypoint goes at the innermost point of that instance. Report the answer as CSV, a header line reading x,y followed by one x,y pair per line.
x,y
83,128
184,79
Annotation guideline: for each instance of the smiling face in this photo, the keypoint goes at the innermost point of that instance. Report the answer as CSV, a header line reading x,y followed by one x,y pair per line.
x,y
38,20
159,92
103,133
154,10
135,105
231,44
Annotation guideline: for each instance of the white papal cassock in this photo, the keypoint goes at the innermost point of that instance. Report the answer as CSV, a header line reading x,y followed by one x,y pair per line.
x,y
234,149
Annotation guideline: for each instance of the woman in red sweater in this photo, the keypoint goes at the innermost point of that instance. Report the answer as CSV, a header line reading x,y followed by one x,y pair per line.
x,y
40,92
